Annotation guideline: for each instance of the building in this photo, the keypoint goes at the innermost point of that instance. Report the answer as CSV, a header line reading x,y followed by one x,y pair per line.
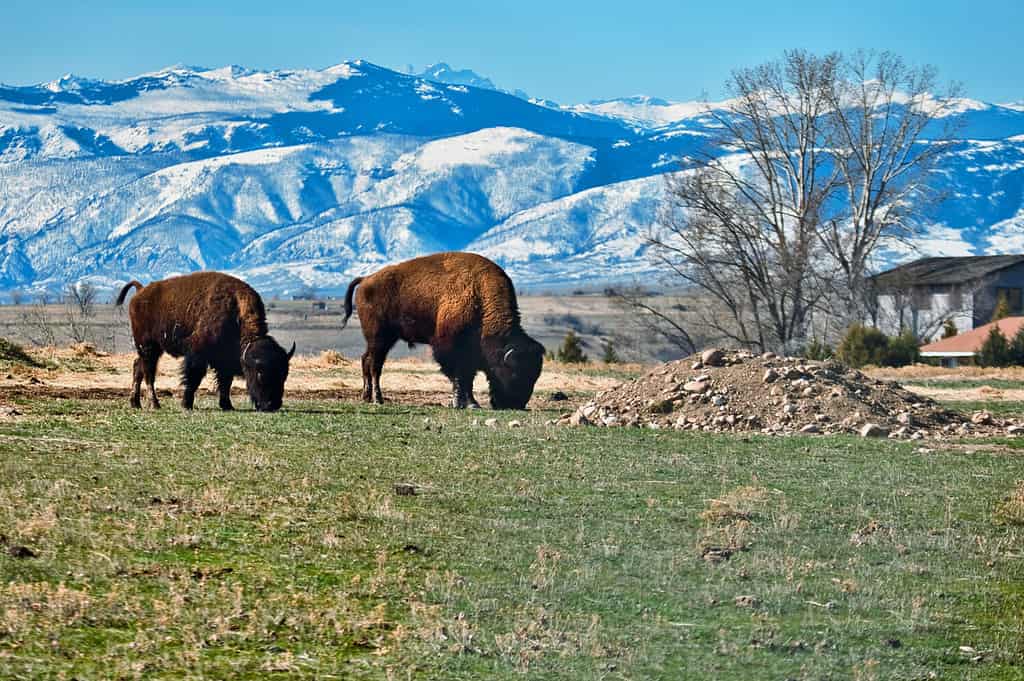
x,y
964,348
923,294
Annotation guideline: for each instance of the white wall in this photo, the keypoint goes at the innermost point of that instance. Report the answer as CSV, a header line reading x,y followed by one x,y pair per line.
x,y
921,320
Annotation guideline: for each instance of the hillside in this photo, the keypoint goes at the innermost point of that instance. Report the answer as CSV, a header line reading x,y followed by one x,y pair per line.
x,y
307,178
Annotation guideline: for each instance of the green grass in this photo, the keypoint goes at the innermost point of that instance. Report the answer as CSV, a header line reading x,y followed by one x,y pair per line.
x,y
965,384
1002,408
212,545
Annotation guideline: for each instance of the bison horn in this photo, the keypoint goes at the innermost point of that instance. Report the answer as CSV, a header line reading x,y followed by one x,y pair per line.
x,y
245,351
504,360
292,351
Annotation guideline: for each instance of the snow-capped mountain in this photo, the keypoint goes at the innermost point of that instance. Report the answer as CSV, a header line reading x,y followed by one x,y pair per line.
x,y
302,178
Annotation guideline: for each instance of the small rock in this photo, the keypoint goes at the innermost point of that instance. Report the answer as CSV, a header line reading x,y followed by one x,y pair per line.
x,y
712,357
719,400
558,396
873,430
747,601
578,419
491,423
405,489
515,424
811,428
696,387
770,376
1015,430
905,418
981,418
768,355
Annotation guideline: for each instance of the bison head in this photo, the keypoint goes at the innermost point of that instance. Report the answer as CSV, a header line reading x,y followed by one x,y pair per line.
x,y
513,366
265,367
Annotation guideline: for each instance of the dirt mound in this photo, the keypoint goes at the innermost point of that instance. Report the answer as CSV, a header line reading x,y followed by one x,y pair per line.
x,y
725,391
13,354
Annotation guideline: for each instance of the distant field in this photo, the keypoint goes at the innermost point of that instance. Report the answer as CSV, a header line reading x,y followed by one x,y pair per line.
x,y
547,318
142,544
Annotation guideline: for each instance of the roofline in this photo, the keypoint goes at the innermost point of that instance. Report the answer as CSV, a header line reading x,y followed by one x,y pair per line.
x,y
947,353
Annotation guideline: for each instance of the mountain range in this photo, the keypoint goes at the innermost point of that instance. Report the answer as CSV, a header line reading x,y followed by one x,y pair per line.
x,y
302,179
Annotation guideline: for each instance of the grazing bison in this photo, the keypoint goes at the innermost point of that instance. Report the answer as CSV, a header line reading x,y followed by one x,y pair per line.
x,y
465,307
212,320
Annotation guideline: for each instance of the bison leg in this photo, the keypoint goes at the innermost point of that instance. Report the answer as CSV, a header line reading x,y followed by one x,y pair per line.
x,y
367,377
466,383
149,360
460,372
136,400
373,361
224,379
193,369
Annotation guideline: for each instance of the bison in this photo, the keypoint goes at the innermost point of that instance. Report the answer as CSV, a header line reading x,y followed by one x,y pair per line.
x,y
465,307
212,320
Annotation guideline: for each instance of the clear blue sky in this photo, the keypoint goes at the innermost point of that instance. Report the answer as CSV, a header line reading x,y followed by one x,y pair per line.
x,y
567,51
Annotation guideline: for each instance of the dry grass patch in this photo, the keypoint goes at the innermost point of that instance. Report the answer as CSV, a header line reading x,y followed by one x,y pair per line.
x,y
1010,511
40,606
741,503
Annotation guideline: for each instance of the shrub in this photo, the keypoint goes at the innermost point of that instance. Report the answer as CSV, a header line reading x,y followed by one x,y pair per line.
x,y
818,350
1017,347
862,345
995,351
572,349
1002,310
608,353
902,350
949,329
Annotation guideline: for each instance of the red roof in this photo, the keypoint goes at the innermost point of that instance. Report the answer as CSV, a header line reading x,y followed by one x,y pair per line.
x,y
971,341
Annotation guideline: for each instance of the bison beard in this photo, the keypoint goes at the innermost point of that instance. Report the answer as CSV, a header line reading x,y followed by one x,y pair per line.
x,y
465,307
213,321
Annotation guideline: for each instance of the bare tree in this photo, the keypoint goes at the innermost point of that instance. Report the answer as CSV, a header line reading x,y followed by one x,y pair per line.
x,y
79,310
741,225
887,127
818,161
82,296
654,320
17,296
37,324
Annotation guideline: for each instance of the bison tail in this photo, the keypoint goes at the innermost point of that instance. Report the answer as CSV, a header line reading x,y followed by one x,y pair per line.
x,y
348,299
124,291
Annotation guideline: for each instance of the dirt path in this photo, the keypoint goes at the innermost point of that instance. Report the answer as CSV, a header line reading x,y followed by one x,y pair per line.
x,y
328,376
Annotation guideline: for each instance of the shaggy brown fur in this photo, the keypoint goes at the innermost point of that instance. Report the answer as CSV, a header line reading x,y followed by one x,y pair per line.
x,y
465,307
212,320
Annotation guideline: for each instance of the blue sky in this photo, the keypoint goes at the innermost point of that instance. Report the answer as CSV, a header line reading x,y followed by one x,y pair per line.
x,y
567,51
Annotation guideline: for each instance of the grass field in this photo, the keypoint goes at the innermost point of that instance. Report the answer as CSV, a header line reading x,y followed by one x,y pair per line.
x,y
240,545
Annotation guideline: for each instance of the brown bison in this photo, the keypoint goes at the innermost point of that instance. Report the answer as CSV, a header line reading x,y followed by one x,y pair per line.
x,y
465,307
212,320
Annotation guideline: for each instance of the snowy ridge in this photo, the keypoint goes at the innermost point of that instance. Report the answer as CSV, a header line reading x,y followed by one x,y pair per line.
x,y
299,178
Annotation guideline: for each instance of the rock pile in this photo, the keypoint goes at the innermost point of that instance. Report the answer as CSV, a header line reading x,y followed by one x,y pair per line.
x,y
736,391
